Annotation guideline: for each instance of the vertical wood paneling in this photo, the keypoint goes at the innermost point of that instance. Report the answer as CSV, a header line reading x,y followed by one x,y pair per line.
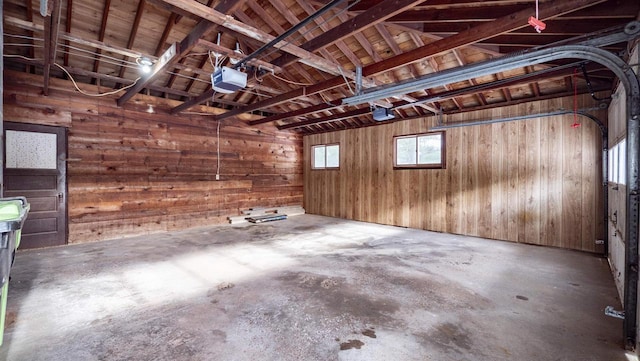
x,y
470,171
454,184
588,197
520,184
484,181
131,172
571,185
533,181
512,155
499,181
554,180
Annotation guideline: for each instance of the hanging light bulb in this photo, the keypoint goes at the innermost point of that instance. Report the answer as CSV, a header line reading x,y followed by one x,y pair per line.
x,y
145,64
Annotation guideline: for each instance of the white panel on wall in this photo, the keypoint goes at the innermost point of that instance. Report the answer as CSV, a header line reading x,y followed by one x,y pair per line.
x,y
30,150
622,161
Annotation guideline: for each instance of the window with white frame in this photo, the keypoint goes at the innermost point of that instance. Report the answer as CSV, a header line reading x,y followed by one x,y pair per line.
x,y
618,163
610,159
325,156
425,150
622,161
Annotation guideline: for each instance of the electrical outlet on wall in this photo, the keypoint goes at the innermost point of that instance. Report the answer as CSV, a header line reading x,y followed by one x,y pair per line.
x,y
217,176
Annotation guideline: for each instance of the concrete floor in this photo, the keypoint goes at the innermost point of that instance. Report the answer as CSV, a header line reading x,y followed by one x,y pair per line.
x,y
310,288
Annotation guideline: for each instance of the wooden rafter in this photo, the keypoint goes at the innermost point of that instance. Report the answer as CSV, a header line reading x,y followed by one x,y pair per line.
x,y
461,62
436,67
183,48
412,67
375,15
174,76
320,23
103,29
78,40
476,34
50,41
447,95
67,29
173,20
214,16
400,48
30,19
133,34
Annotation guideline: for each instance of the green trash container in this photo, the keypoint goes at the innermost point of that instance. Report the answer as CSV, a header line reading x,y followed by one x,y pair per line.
x,y
13,212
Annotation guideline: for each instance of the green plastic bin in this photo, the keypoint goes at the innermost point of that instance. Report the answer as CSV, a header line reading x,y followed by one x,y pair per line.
x,y
13,213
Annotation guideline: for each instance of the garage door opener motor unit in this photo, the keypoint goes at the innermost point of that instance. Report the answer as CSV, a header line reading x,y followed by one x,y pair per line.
x,y
227,80
382,114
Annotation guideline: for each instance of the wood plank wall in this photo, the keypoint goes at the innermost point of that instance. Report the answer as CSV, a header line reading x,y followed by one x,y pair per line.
x,y
131,172
536,181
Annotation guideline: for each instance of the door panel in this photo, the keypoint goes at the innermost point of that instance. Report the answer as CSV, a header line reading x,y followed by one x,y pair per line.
x,y
45,188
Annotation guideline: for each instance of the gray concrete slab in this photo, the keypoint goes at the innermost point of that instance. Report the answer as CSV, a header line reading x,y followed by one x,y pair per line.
x,y
310,288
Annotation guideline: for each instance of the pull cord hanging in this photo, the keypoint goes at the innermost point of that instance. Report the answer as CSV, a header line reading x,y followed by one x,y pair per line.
x,y
536,22
575,124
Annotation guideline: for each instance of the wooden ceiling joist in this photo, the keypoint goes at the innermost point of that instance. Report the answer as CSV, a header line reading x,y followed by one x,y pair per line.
x,y
133,33
449,94
50,40
478,33
371,17
216,17
101,34
179,50
390,40
473,35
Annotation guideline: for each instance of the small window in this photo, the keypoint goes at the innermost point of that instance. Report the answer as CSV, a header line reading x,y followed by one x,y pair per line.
x,y
614,161
419,151
610,158
622,161
325,156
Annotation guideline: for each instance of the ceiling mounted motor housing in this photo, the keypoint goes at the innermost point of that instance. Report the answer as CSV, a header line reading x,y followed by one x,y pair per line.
x,y
227,80
382,114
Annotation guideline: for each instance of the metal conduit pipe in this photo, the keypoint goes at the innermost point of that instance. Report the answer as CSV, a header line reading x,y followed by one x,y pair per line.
x,y
581,112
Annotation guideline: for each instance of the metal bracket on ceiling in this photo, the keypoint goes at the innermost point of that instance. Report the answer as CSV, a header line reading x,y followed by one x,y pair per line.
x,y
358,80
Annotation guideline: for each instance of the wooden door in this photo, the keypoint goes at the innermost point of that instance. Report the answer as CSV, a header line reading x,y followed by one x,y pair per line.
x,y
35,167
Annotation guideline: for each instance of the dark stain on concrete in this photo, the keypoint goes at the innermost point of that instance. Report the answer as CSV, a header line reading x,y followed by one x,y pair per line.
x,y
337,297
308,228
369,333
438,254
357,344
448,336
219,335
524,298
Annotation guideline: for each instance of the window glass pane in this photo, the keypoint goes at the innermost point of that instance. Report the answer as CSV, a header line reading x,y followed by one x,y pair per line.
x,y
614,159
610,179
406,151
318,156
430,149
622,162
333,156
